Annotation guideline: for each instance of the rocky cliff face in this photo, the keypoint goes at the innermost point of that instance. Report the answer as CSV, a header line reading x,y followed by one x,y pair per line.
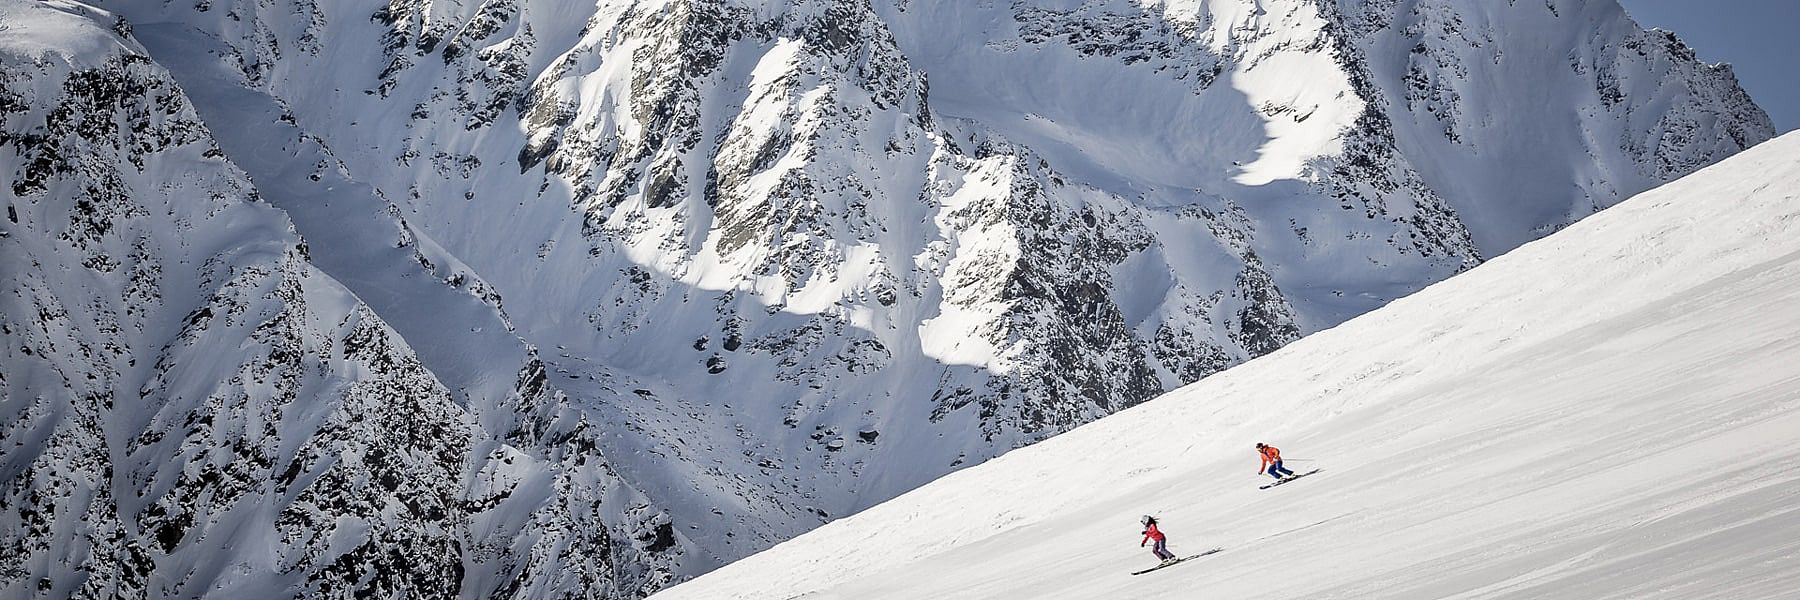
x,y
191,407
788,258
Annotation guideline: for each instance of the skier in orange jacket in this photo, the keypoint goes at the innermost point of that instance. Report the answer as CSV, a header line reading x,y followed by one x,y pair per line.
x,y
1271,462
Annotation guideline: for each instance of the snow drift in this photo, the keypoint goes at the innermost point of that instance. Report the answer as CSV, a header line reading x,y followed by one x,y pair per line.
x,y
1610,412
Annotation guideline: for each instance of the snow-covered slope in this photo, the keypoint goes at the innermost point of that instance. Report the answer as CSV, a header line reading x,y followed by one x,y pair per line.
x,y
190,406
1611,412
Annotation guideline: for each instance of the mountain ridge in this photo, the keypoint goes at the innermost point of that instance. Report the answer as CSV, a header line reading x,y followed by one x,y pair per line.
x,y
194,408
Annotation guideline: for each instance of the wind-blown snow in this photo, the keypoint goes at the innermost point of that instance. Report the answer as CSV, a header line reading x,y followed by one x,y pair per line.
x,y
1611,412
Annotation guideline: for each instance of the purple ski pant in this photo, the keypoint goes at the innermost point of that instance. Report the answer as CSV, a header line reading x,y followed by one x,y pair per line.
x,y
1162,549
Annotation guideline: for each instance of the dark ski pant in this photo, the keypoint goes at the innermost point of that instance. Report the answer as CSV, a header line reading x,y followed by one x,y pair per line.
x,y
1162,549
1277,471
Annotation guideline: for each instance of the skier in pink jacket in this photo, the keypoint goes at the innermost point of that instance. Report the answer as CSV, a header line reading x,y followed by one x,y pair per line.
x,y
1162,542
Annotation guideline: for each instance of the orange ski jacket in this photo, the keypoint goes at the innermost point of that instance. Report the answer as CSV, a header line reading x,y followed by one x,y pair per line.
x,y
1269,454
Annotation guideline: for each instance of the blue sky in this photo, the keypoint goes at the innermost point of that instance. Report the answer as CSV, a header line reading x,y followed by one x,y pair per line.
x,y
1760,38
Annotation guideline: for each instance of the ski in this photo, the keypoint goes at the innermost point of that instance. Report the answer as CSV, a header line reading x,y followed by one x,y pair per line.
x,y
1178,561
1289,479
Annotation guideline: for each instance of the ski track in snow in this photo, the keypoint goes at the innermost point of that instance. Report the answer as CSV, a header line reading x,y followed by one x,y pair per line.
x,y
1610,412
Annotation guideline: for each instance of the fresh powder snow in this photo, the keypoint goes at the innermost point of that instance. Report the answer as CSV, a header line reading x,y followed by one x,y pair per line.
x,y
1610,412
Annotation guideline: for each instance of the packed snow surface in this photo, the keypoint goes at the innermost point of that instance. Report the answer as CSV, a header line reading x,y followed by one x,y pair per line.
x,y
1610,412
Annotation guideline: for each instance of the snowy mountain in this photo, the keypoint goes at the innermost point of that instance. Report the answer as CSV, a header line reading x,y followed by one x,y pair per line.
x,y
1606,413
719,271
192,407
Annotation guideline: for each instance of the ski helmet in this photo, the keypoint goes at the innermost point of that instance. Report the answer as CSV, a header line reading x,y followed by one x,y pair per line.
x,y
1146,520
1259,445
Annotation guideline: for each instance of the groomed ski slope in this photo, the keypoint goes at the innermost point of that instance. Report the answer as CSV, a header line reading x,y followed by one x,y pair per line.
x,y
1610,412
